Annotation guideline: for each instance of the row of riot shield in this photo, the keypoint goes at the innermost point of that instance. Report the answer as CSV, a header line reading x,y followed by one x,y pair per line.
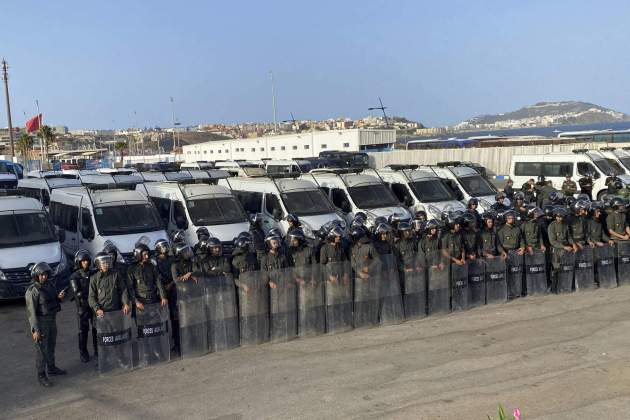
x,y
115,339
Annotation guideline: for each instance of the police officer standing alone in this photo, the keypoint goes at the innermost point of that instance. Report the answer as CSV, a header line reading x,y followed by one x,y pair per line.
x,y
80,286
144,275
42,304
108,288
568,186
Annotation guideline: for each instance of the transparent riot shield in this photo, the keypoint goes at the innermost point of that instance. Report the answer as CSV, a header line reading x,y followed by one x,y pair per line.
x,y
193,328
414,276
154,343
439,291
282,305
459,287
366,293
566,272
514,277
221,313
496,285
605,266
338,288
535,273
253,304
623,262
311,307
390,299
476,283
584,269
114,337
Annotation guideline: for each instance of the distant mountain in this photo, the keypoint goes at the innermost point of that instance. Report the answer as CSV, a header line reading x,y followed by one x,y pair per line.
x,y
548,113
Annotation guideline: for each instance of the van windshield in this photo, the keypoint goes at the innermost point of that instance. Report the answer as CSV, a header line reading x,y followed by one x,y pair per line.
x,y
616,166
307,203
431,191
625,161
126,218
23,229
372,196
215,211
476,186
604,166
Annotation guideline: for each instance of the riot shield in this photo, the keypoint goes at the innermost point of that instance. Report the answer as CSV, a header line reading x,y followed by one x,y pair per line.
x,y
338,288
514,277
193,328
584,269
390,300
366,291
114,337
221,313
415,286
439,293
496,285
253,304
535,273
311,308
476,283
459,287
282,305
154,344
623,262
565,272
605,266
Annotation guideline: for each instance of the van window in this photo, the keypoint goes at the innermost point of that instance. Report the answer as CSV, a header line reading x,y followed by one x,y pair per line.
x,y
22,229
586,169
340,198
551,169
401,192
531,169
124,219
163,206
87,229
64,216
272,204
180,215
251,201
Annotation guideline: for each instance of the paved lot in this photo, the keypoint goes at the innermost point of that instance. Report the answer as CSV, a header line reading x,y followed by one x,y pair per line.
x,y
554,357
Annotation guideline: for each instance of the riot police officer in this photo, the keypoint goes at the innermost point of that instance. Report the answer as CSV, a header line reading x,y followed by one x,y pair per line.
x,y
163,262
561,241
510,236
215,263
202,235
500,205
185,267
470,236
489,242
595,226
300,254
148,288
333,251
42,304
243,259
257,233
618,229
451,243
80,286
578,225
108,287
568,186
294,223
532,231
430,244
382,239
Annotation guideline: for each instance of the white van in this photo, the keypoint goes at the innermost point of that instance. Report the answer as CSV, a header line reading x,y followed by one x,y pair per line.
x,y
467,183
157,176
275,198
623,156
203,165
91,216
419,189
40,188
281,167
189,206
352,192
555,166
241,167
27,237
609,154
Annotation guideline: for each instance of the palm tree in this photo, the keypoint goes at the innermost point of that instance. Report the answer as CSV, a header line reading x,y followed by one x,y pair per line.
x,y
24,146
120,147
47,136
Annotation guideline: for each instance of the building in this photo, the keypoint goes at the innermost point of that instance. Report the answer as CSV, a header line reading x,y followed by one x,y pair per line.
x,y
292,146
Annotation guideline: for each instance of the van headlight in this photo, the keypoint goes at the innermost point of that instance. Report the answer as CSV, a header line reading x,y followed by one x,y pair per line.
x,y
308,230
433,212
63,264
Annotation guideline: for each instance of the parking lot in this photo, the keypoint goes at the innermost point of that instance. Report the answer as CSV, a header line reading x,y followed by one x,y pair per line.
x,y
553,357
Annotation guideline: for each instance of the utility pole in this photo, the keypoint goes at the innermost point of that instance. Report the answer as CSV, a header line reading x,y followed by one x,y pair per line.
x,y
175,124
273,102
43,146
5,77
382,108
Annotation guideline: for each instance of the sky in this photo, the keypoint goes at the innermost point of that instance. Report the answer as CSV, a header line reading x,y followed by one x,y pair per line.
x,y
116,63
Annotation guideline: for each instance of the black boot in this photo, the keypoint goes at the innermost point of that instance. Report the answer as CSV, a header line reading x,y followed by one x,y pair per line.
x,y
83,351
43,380
54,370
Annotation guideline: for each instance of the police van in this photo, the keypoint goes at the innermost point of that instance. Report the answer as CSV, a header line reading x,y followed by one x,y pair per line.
x,y
274,198
419,189
26,238
39,185
610,154
91,216
280,167
9,174
200,164
466,183
188,206
555,166
352,191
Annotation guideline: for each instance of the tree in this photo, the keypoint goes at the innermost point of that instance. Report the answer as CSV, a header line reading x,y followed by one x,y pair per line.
x,y
24,146
120,147
47,136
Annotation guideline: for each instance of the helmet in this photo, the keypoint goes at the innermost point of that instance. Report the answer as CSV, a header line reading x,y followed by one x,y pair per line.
x,y
162,246
488,215
322,233
382,228
246,235
292,218
431,224
179,236
202,232
596,205
421,215
103,260
361,214
138,250
358,220
499,196
275,231
40,268
581,205
469,219
554,196
111,249
242,242
82,255
297,234
541,178
583,197
183,251
535,213
453,219
417,225
336,231
393,219
559,211
617,202
357,232
509,213
404,226
618,184
570,201
212,243
548,211
519,196
272,235
379,220
472,201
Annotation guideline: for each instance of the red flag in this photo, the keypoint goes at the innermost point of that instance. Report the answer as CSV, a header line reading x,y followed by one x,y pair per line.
x,y
33,123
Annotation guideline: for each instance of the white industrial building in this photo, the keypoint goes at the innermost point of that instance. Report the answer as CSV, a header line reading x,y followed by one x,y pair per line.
x,y
292,146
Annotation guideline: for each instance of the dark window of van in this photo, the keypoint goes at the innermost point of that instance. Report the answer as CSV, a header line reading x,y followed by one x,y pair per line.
x,y
586,169
401,192
64,216
272,204
251,201
87,228
531,169
340,199
163,206
180,215
557,169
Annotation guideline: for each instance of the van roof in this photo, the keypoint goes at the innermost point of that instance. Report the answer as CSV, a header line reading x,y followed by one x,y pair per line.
x,y
99,196
10,203
188,190
49,183
284,184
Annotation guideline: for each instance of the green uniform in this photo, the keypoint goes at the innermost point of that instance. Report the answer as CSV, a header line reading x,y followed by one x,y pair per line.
x,y
489,242
42,305
542,197
471,242
181,267
147,283
430,245
453,244
577,227
216,265
243,262
274,261
559,237
616,222
362,253
108,291
407,252
332,254
596,231
532,234
569,187
510,237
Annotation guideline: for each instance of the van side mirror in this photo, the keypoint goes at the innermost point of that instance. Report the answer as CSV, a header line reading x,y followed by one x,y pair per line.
x,y
277,214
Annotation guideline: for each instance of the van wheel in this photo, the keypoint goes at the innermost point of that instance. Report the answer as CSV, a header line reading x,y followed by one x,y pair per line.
x,y
601,194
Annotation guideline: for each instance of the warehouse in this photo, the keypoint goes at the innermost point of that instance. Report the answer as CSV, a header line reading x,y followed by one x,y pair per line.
x,y
292,145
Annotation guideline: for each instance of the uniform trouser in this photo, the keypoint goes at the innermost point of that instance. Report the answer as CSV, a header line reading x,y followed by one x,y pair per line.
x,y
45,347
171,295
85,318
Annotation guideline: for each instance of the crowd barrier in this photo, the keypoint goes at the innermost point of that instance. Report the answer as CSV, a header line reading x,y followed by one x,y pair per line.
x,y
218,313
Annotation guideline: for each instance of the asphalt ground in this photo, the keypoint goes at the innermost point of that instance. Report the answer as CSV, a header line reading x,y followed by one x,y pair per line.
x,y
553,357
